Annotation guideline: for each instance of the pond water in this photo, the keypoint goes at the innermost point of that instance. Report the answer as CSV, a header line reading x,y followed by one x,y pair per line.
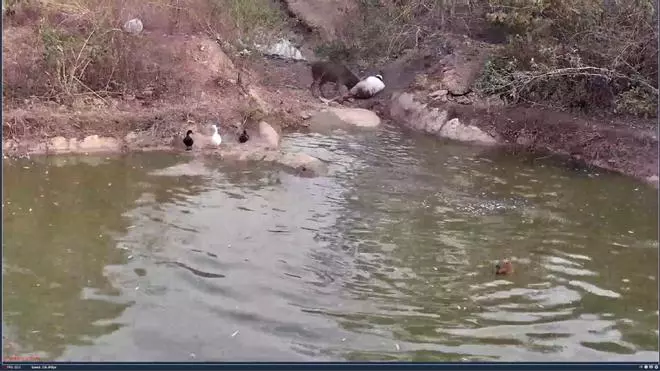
x,y
389,257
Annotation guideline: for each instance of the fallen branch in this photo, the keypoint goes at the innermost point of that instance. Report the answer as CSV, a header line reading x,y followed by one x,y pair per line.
x,y
605,73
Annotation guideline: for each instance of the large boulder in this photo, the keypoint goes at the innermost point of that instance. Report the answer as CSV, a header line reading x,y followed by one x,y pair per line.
x,y
456,130
269,135
405,110
344,117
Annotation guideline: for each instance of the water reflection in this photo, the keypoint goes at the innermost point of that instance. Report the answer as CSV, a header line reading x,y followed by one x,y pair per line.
x,y
56,244
390,257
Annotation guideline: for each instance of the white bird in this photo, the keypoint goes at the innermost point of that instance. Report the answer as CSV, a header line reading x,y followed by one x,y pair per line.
x,y
216,138
368,87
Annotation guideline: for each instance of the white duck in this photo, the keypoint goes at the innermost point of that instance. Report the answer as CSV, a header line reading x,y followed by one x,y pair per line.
x,y
216,138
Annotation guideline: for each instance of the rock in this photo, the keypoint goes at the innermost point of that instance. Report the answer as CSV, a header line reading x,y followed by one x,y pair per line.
x,y
455,130
255,156
405,110
653,180
282,49
143,140
415,115
193,168
94,143
58,145
435,125
269,135
303,163
133,26
342,117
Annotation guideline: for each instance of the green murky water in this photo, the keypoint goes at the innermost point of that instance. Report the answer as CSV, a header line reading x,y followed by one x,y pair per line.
x,y
389,257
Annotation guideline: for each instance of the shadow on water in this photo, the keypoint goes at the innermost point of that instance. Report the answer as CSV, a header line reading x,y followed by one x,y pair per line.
x,y
390,257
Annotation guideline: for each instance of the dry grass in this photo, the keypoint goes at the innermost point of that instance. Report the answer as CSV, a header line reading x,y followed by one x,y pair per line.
x,y
71,70
389,27
84,51
580,54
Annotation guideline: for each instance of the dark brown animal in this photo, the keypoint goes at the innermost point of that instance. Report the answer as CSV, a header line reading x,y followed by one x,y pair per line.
x,y
328,71
503,268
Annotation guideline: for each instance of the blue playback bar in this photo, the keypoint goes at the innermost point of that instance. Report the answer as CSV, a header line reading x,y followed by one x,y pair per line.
x,y
563,366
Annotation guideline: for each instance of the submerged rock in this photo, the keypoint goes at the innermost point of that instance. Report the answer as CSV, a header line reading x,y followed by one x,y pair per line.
x,y
193,168
342,117
303,163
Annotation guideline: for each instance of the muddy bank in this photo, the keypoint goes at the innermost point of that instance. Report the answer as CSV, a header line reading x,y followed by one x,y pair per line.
x,y
630,149
145,133
262,146
441,100
208,82
199,80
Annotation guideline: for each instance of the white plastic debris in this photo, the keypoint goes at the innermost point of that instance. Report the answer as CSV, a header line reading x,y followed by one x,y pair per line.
x,y
283,49
133,26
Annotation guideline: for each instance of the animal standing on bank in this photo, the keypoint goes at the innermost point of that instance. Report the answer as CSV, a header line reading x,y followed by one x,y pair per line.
x,y
328,71
216,138
368,87
188,140
244,137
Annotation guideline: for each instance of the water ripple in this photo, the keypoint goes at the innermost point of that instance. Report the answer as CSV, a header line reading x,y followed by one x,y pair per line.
x,y
390,257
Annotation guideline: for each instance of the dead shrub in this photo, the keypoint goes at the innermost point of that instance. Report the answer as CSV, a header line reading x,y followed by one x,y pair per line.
x,y
23,65
584,54
389,27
